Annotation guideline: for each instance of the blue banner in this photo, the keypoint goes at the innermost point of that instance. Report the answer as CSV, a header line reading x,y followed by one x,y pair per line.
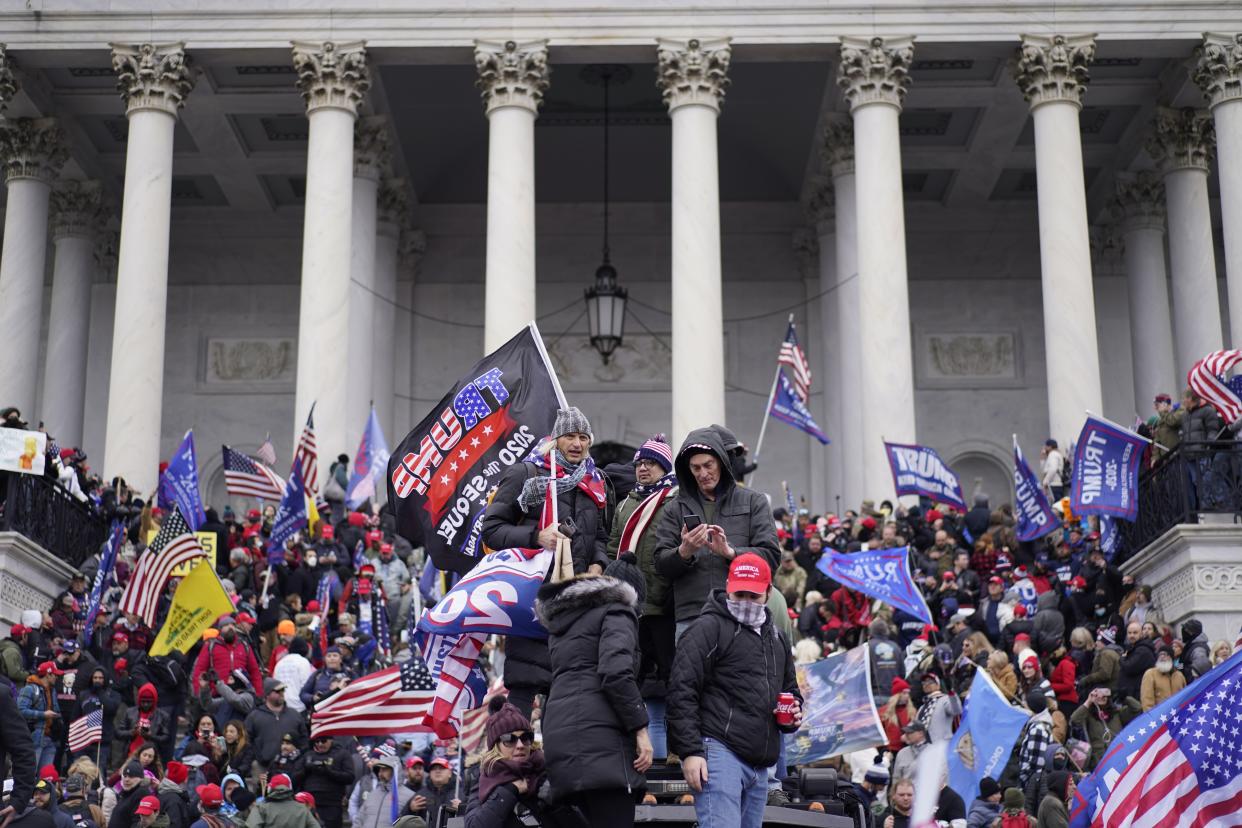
x,y
179,484
838,712
787,408
1035,516
290,517
370,463
981,745
1107,462
1110,536
880,573
497,596
107,561
918,470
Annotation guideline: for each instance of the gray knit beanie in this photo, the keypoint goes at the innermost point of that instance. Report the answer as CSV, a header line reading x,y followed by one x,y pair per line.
x,y
571,421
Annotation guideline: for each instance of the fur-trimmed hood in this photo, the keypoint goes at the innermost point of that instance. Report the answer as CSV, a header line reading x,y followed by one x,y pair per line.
x,y
559,605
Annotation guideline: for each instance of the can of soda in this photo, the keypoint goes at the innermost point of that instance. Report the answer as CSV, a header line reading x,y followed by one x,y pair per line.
x,y
785,706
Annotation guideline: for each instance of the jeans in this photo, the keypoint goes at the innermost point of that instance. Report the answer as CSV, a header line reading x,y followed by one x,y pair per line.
x,y
681,627
656,728
736,792
45,753
779,771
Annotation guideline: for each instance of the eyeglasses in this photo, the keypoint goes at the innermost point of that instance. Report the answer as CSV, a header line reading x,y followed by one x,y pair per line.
x,y
527,737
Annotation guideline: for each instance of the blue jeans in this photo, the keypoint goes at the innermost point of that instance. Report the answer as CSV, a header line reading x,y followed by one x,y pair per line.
x,y
656,729
45,753
779,771
736,792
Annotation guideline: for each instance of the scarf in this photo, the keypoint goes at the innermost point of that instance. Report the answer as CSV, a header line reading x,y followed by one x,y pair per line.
x,y
747,613
503,771
668,481
568,476
638,521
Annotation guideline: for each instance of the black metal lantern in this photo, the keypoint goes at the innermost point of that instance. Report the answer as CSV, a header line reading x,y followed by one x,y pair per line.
x,y
605,300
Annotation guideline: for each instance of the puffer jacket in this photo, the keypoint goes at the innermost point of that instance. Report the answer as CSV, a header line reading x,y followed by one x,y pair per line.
x,y
328,775
595,706
1136,661
1201,425
657,585
724,685
742,513
175,804
1049,623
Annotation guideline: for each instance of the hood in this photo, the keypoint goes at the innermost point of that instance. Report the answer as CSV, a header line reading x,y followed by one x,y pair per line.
x,y
212,516
148,692
168,786
561,604
233,777
710,438
279,795
1047,601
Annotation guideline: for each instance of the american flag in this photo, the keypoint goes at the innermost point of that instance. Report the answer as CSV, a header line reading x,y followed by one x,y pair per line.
x,y
474,722
1206,379
245,477
86,731
453,662
266,452
1178,764
393,700
307,454
172,546
792,355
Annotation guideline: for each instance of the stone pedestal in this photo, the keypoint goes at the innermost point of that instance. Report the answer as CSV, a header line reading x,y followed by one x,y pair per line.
x,y
33,577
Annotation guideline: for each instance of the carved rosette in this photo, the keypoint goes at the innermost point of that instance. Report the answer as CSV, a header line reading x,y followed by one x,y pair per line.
x,y
1106,243
370,146
107,249
75,209
1140,200
1054,68
693,71
152,76
1182,139
410,249
32,148
394,205
837,152
1219,70
512,73
821,203
875,70
8,80
332,75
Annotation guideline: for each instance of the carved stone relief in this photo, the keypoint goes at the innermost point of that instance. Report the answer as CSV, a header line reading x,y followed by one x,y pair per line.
x,y
232,360
640,362
950,359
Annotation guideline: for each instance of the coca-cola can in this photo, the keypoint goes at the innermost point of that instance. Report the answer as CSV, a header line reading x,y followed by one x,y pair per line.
x,y
786,703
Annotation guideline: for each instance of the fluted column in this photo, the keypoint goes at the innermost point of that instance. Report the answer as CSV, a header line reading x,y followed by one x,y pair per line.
x,y
75,215
693,76
392,217
512,78
409,255
31,150
821,211
1052,74
332,77
874,75
1182,146
1219,75
1140,201
370,159
99,347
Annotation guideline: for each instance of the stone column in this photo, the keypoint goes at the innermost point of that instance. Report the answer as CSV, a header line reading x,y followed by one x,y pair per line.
x,y
392,217
31,150
1181,144
75,217
1052,74
332,77
409,254
512,77
370,159
693,76
821,211
99,348
1140,201
823,470
874,77
1219,75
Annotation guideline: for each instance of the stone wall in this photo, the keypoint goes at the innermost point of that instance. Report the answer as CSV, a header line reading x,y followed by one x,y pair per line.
x,y
32,578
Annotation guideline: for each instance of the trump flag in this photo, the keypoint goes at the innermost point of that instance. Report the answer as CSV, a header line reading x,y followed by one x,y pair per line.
x,y
496,597
179,483
880,573
838,714
1035,516
1107,462
788,408
918,470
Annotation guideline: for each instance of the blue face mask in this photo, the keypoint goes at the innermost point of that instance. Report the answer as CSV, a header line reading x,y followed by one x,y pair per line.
x,y
1101,611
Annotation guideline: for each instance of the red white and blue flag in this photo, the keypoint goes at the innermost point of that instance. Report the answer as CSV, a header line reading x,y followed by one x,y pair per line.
x,y
453,663
171,547
1207,379
792,356
392,700
247,477
85,731
306,456
370,463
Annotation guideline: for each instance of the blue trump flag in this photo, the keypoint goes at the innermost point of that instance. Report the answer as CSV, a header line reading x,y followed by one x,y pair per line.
x,y
107,561
497,596
788,408
290,517
370,463
179,484
1110,536
880,573
1107,462
1035,516
918,470
981,746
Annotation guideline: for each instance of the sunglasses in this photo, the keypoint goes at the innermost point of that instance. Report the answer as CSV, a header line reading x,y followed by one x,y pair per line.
x,y
527,737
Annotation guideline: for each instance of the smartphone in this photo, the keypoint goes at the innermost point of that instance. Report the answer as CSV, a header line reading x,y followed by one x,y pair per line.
x,y
692,522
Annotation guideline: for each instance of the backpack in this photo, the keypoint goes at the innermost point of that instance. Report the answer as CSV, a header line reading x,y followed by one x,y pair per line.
x,y
1018,820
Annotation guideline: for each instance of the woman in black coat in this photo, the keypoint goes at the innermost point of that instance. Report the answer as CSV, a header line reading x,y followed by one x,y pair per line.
x,y
595,723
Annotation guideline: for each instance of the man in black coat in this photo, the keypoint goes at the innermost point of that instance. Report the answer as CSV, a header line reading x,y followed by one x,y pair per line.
x,y
1139,657
16,746
512,521
327,772
731,665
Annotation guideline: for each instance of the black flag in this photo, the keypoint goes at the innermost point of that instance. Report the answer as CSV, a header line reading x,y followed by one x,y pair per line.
x,y
441,473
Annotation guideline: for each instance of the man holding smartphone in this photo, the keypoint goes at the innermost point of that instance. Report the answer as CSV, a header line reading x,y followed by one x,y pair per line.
x,y
712,521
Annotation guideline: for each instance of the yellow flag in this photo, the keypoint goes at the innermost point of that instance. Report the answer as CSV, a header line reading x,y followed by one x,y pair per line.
x,y
198,602
312,516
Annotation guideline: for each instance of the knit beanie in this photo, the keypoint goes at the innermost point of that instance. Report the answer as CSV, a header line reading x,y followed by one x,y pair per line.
x,y
657,450
1013,799
625,569
571,421
988,787
506,720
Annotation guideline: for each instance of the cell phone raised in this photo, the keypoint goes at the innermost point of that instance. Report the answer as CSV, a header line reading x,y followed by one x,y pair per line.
x,y
692,522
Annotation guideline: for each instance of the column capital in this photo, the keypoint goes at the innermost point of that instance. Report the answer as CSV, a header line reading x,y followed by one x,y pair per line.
x,y
394,204
1107,244
875,70
152,76
32,148
837,151
512,73
1219,69
693,71
411,248
821,204
1139,200
332,75
371,154
8,80
1181,139
75,209
1054,68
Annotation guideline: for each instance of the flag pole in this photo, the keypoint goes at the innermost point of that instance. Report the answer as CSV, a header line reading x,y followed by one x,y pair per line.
x,y
767,408
1126,430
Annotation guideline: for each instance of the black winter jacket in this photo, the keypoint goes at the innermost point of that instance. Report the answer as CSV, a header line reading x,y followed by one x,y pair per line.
x,y
742,513
725,682
1201,425
328,775
595,705
16,744
1135,661
175,804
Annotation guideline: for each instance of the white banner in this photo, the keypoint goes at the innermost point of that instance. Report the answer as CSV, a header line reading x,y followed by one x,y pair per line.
x,y
22,451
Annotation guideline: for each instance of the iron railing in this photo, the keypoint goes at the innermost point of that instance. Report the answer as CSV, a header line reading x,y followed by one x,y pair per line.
x,y
1195,479
45,513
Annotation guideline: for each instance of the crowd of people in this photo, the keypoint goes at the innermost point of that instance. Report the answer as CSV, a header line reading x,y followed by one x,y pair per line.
x,y
673,641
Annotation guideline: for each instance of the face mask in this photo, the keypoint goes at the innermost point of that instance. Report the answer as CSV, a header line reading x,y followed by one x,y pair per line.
x,y
1164,666
747,613
312,561
1101,611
